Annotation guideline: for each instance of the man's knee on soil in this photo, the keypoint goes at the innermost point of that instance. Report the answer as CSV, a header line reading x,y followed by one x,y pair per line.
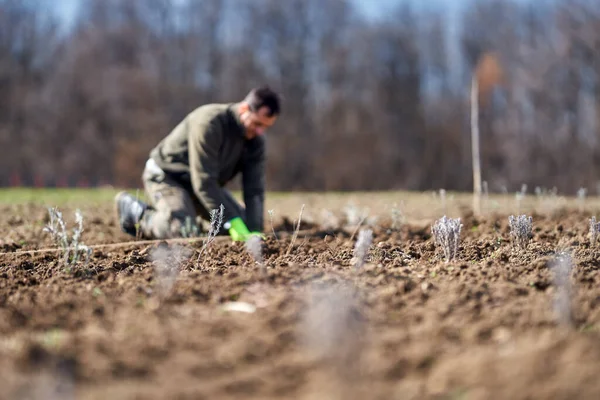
x,y
168,225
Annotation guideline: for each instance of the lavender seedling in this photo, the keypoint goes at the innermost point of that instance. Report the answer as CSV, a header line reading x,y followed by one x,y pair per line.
x,y
538,192
540,195
504,191
548,199
520,196
216,221
372,221
271,212
443,199
521,228
328,220
72,247
296,230
594,230
486,195
353,214
397,217
57,228
76,245
562,280
446,233
581,194
362,246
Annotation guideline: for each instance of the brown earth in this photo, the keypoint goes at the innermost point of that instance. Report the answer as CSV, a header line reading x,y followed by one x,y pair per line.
x,y
406,325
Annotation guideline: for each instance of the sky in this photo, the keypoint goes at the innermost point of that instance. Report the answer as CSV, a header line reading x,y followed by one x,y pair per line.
x,y
66,9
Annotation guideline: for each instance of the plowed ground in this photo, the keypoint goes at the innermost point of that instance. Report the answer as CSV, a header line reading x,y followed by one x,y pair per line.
x,y
150,321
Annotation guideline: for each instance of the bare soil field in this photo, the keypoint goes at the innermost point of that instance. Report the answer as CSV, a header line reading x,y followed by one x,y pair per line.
x,y
162,320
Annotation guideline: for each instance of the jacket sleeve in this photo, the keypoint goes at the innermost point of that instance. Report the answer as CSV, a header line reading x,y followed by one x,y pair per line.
x,y
253,184
204,141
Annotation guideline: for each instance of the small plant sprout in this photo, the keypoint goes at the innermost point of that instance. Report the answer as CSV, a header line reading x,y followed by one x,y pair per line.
x,y
581,194
296,230
594,230
486,194
216,221
561,269
446,233
547,198
57,228
521,228
538,192
328,220
520,196
397,217
72,247
372,221
362,246
271,213
355,215
518,200
443,199
352,214
540,196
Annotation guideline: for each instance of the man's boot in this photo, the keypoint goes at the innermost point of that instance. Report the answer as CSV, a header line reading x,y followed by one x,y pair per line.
x,y
129,212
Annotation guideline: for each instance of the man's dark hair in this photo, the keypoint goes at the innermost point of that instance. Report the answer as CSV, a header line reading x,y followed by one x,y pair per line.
x,y
264,97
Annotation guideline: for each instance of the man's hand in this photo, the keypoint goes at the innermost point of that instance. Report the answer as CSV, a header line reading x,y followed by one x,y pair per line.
x,y
239,231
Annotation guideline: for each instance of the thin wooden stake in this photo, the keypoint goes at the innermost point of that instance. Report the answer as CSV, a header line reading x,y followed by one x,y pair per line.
x,y
475,146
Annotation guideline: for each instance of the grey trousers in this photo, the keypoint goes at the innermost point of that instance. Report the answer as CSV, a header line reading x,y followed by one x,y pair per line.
x,y
174,210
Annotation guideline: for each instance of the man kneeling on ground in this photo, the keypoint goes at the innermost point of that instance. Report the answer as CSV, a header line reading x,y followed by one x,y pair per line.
x,y
187,171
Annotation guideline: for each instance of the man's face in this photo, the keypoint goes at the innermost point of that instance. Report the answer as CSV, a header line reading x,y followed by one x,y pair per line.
x,y
256,123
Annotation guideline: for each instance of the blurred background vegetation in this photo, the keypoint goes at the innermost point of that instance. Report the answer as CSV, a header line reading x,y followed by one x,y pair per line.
x,y
376,96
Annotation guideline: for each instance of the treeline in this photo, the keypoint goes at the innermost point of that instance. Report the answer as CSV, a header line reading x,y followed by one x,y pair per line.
x,y
368,104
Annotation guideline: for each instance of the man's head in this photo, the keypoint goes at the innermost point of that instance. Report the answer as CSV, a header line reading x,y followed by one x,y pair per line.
x,y
259,111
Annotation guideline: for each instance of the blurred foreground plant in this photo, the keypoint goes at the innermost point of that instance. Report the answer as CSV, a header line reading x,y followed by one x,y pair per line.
x,y
561,269
362,246
254,248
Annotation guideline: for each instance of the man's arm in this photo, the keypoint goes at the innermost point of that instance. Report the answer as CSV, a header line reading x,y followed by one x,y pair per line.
x,y
253,183
204,141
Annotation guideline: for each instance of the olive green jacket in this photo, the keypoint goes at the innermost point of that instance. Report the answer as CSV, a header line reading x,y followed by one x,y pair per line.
x,y
207,150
